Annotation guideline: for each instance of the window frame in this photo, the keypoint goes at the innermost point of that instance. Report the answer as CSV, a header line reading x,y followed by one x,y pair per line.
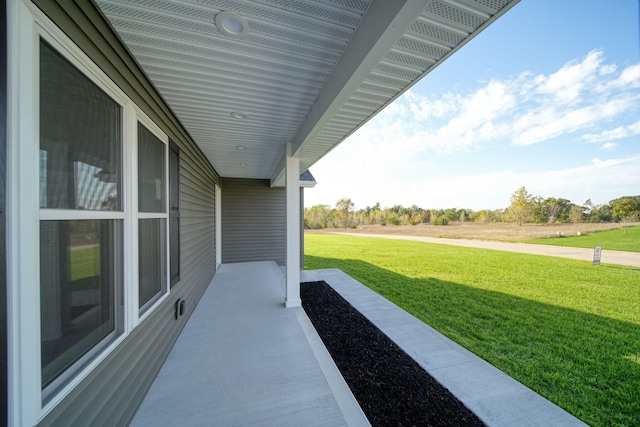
x,y
174,244
145,310
27,26
49,396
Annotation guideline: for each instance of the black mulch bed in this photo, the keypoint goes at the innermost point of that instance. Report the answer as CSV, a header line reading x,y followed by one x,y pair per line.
x,y
391,388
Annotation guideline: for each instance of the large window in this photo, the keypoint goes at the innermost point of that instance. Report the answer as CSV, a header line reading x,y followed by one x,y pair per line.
x,y
152,266
104,218
81,227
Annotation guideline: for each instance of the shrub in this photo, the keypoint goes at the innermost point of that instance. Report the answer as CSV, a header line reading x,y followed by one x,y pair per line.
x,y
440,220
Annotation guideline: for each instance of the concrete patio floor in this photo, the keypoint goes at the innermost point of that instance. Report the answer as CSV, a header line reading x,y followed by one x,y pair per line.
x,y
243,359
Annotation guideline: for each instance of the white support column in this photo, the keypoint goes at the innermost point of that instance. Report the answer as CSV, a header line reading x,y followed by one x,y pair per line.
x,y
292,287
218,208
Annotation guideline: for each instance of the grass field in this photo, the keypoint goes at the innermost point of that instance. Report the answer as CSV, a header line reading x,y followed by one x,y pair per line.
x,y
564,328
85,269
482,231
615,240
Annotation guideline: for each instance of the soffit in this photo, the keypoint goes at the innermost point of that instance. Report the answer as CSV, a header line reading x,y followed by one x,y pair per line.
x,y
295,75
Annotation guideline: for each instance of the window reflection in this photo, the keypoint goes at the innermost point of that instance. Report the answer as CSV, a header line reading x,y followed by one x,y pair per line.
x,y
152,259
80,139
79,273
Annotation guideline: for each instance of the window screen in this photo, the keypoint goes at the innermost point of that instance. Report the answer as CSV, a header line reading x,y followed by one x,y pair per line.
x,y
152,235
80,139
174,212
81,271
152,259
151,172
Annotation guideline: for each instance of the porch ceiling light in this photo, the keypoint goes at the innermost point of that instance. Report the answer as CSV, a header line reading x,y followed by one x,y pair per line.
x,y
231,24
238,115
241,147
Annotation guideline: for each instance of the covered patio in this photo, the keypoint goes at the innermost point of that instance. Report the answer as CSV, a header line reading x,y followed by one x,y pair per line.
x,y
243,360
238,99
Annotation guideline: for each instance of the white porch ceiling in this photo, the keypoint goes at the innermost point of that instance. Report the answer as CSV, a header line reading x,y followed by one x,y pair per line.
x,y
309,72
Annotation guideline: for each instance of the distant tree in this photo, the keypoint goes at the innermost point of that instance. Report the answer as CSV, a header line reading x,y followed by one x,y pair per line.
x,y
343,217
521,208
110,203
588,209
439,220
451,215
555,210
487,216
598,213
393,218
416,218
626,209
483,215
537,211
361,217
588,205
377,216
368,214
395,209
576,214
636,199
318,216
464,215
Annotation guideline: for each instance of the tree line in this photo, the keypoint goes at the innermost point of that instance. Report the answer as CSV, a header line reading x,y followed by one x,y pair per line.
x,y
524,209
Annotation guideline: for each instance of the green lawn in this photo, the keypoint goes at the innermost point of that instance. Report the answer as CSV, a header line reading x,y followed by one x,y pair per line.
x,y
615,240
566,329
85,268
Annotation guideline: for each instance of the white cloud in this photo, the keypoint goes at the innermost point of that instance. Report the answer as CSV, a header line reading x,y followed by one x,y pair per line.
x,y
608,146
525,109
400,156
477,116
616,133
599,180
551,122
425,109
567,83
629,78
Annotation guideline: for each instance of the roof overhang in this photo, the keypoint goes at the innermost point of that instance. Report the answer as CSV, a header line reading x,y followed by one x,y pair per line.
x,y
308,72
307,180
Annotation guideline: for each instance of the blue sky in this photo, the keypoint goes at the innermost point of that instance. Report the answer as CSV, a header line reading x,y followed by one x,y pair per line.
x,y
548,97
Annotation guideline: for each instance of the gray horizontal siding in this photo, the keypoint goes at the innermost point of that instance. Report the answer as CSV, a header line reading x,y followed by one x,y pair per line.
x,y
111,393
253,221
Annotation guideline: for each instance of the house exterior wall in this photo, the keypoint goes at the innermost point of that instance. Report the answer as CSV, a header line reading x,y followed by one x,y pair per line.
x,y
253,221
112,391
